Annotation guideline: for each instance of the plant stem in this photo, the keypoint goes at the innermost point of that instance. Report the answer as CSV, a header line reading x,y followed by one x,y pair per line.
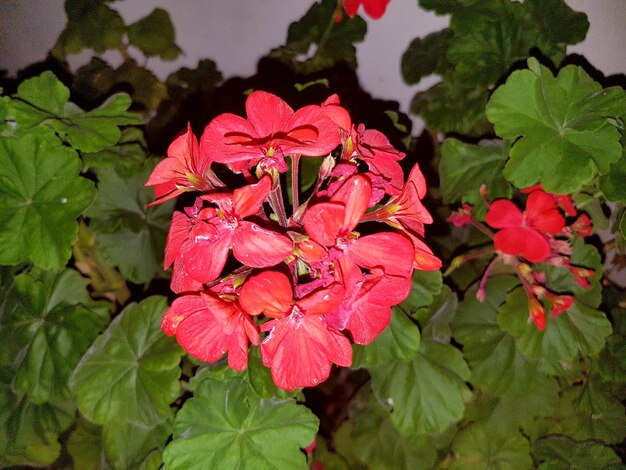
x,y
277,204
295,167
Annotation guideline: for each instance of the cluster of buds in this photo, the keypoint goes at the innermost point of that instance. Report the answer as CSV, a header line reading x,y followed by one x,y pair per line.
x,y
538,234
301,282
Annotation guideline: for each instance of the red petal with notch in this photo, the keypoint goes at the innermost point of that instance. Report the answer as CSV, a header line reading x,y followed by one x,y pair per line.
x,y
522,241
323,222
389,251
180,309
268,292
301,349
203,334
229,138
205,254
503,213
311,133
268,113
542,213
257,247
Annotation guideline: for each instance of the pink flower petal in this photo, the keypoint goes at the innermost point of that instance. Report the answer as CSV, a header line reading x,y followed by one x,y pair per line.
x,y
268,292
257,247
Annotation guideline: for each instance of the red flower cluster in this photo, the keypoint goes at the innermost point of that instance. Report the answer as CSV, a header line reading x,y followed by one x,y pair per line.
x,y
538,234
309,281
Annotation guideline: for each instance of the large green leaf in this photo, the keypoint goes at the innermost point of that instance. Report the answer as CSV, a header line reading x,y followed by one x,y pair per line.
x,y
426,394
580,329
130,234
41,195
557,21
130,373
334,41
90,24
612,184
588,411
154,35
399,341
464,168
477,449
371,437
226,425
453,106
426,56
562,453
128,445
436,318
490,37
51,324
563,135
96,80
85,446
521,390
88,131
29,432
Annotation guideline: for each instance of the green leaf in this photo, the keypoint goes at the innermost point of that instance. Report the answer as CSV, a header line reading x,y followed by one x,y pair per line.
x,y
370,435
557,21
464,168
131,371
154,35
126,156
612,183
426,394
399,341
127,445
426,285
562,453
580,329
426,56
97,79
334,41
41,196
588,411
130,234
490,37
226,425
52,323
85,446
29,432
563,137
523,391
453,106
90,24
87,131
476,449
436,318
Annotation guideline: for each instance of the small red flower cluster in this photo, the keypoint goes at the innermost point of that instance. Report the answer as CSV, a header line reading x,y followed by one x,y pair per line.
x,y
531,236
309,280
375,9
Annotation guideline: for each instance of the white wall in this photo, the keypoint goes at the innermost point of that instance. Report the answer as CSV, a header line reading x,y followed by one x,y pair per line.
x,y
235,33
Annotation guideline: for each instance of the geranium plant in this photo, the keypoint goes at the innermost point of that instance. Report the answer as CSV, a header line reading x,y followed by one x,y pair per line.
x,y
275,272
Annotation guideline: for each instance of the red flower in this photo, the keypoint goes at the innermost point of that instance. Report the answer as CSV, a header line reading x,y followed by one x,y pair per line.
x,y
271,132
374,8
199,242
524,233
301,346
182,170
331,224
207,327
